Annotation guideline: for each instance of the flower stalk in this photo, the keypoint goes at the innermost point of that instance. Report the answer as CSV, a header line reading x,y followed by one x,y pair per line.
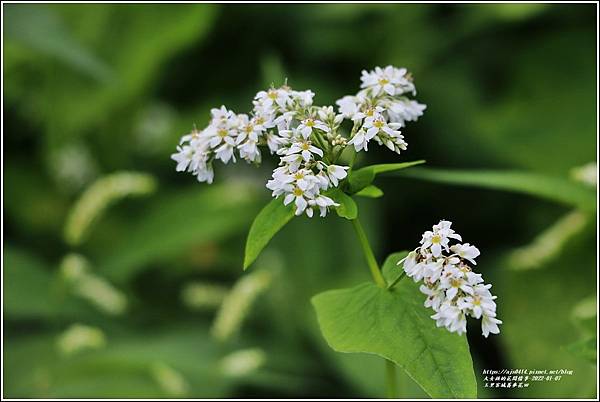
x,y
390,367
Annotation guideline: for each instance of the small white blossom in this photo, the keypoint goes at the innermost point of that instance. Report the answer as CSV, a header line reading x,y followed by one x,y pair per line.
x,y
268,101
304,98
489,325
307,125
404,110
389,80
361,140
225,151
348,106
336,173
323,203
466,251
306,149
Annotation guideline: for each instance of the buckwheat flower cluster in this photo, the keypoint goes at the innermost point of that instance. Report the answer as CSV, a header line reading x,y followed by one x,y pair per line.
x,y
306,138
381,108
453,290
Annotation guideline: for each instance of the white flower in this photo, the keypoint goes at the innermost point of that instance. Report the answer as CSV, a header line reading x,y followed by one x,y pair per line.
x,y
221,115
205,173
466,251
307,125
225,151
443,227
451,317
323,202
377,124
454,280
275,142
489,325
405,110
435,241
435,296
381,80
413,267
299,197
306,149
361,140
294,161
336,173
434,270
389,80
249,150
183,157
348,106
438,238
305,98
269,100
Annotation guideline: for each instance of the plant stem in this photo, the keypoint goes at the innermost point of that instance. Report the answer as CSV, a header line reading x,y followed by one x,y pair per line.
x,y
368,252
391,379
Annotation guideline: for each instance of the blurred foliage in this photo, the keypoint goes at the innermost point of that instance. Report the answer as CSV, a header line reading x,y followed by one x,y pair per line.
x,y
91,90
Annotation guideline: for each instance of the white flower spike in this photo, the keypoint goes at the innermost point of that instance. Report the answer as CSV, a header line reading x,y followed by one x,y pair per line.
x,y
453,290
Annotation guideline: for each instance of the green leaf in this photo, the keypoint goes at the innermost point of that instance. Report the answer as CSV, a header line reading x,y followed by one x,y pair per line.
x,y
29,292
585,348
395,325
347,208
175,223
267,223
552,188
370,191
361,178
40,28
390,268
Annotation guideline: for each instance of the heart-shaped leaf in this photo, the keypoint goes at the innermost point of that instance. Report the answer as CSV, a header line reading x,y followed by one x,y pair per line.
x,y
395,325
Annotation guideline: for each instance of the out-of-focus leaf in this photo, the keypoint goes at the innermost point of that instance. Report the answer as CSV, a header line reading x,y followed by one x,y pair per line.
x,y
549,243
40,28
585,348
370,191
27,284
124,368
552,188
176,222
395,325
523,300
531,135
81,105
361,178
267,223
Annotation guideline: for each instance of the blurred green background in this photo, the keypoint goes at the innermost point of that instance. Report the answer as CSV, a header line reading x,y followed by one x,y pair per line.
x,y
148,299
